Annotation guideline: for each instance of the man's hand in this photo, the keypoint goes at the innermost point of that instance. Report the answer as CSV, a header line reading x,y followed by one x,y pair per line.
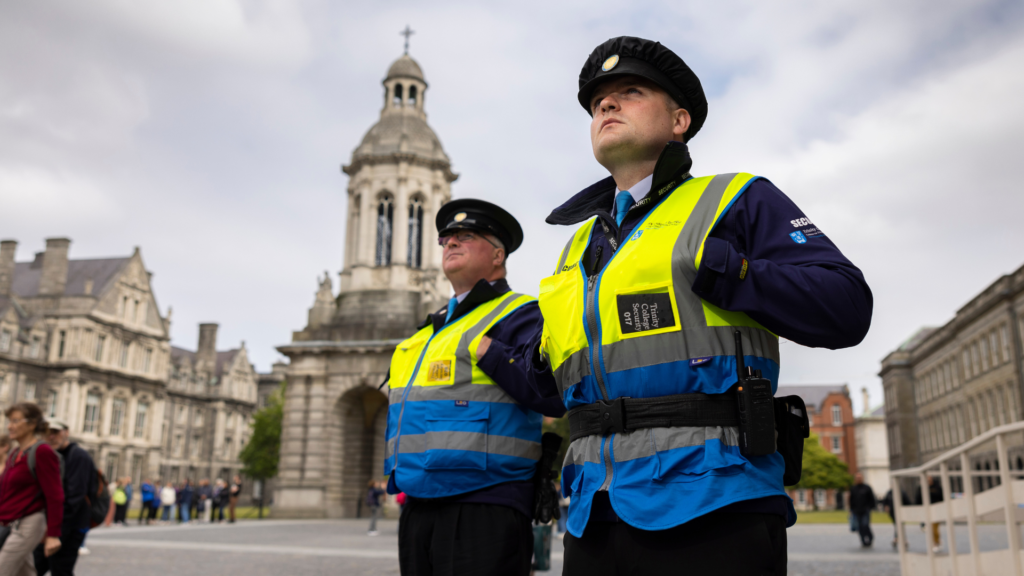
x,y
485,343
50,546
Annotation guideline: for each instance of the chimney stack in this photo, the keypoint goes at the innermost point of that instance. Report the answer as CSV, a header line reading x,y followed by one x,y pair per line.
x,y
7,249
55,267
207,353
867,400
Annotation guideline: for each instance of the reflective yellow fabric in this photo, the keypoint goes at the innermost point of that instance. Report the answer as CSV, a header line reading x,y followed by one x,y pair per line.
x,y
561,303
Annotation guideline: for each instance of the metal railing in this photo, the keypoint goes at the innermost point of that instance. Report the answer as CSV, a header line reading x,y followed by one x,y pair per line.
x,y
973,507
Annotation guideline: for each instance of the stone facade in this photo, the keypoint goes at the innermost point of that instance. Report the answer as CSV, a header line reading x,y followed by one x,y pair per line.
x,y
947,385
211,396
334,419
85,340
873,449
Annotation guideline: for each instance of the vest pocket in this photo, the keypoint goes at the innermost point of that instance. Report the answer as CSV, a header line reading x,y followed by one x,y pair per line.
x,y
456,435
689,454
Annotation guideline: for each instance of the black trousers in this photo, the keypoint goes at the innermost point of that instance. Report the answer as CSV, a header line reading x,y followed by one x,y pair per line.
x,y
63,562
450,539
717,544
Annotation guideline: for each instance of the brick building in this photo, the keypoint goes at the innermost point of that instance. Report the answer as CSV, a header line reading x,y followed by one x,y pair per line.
x,y
831,413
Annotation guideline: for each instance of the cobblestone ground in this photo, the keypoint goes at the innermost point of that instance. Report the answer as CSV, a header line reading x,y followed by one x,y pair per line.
x,y
257,548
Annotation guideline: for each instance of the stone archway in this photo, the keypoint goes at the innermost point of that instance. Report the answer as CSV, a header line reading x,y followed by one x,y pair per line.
x,y
359,448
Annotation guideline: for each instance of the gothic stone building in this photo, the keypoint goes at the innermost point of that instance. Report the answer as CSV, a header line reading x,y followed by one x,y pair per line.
x,y
85,340
211,396
947,385
333,434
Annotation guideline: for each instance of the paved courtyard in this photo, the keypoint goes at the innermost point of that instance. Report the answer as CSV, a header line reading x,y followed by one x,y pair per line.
x,y
256,548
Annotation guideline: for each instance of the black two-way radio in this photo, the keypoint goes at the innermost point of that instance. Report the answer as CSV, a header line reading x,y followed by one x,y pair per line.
x,y
756,408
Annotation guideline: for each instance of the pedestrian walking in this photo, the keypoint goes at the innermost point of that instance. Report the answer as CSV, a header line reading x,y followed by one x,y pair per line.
x,y
668,280
80,483
862,502
32,506
168,501
148,493
374,493
236,491
120,500
185,501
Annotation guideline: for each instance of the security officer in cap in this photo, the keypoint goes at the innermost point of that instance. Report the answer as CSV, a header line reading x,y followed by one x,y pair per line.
x,y
663,275
464,422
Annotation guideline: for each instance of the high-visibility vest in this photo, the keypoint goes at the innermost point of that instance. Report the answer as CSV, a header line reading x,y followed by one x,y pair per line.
x,y
451,429
637,330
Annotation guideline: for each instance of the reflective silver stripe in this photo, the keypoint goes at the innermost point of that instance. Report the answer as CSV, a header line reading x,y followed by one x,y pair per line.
x,y
389,447
583,450
644,443
395,395
471,441
572,370
565,254
475,392
463,359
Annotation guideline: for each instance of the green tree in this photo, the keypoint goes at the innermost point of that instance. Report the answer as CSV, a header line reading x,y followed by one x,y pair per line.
x,y
263,451
822,469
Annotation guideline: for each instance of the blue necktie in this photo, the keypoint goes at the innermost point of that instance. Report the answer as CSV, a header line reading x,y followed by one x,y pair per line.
x,y
622,203
451,309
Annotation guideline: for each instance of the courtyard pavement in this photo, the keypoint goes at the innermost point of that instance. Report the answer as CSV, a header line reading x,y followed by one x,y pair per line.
x,y
314,547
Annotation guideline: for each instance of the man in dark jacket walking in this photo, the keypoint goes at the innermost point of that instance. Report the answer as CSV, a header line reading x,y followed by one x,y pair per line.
x,y
862,502
80,481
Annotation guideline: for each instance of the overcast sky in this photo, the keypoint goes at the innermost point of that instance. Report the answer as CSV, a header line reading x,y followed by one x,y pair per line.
x,y
210,133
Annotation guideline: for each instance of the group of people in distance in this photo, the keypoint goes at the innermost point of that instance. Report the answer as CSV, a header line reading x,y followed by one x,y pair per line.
x,y
48,487
185,503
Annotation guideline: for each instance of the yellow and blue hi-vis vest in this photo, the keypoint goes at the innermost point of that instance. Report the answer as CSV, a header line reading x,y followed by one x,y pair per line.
x,y
451,429
637,330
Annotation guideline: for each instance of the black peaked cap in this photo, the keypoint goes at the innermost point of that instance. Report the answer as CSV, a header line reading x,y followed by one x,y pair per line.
x,y
628,55
482,216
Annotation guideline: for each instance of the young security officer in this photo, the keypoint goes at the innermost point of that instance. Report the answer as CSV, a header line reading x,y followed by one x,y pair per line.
x,y
464,422
640,328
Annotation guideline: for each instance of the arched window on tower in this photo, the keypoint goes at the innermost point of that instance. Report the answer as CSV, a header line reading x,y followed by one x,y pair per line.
x,y
415,258
397,101
385,214
412,96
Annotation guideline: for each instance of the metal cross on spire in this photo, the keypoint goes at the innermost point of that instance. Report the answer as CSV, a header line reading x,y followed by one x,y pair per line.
x,y
407,32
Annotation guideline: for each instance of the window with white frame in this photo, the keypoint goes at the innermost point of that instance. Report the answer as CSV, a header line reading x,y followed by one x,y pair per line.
x,y
116,416
801,496
820,497
837,444
125,345
92,412
30,391
140,419
51,404
837,415
101,340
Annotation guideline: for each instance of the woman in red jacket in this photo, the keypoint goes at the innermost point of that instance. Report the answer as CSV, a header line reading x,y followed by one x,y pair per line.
x,y
31,505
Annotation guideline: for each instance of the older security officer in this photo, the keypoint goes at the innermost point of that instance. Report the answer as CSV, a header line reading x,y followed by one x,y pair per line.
x,y
464,423
640,321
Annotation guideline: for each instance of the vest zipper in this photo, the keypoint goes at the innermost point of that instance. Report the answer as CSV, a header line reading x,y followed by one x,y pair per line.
x,y
590,307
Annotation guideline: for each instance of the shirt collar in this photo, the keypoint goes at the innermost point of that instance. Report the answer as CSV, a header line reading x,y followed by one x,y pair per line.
x,y
460,297
483,291
639,190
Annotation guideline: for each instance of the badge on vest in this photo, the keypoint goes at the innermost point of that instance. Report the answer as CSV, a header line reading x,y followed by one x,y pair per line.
x,y
440,371
645,312
462,403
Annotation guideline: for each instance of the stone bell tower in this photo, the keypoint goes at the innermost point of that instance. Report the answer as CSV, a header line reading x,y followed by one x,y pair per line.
x,y
334,415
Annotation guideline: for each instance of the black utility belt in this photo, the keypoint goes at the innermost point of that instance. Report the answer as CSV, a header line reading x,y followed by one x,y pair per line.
x,y
627,414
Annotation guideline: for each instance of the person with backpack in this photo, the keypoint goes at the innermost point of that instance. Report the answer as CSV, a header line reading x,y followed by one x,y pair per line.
x,y
32,507
80,481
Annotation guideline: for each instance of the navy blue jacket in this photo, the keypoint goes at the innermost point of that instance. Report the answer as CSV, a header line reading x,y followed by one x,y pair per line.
x,y
80,481
798,284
